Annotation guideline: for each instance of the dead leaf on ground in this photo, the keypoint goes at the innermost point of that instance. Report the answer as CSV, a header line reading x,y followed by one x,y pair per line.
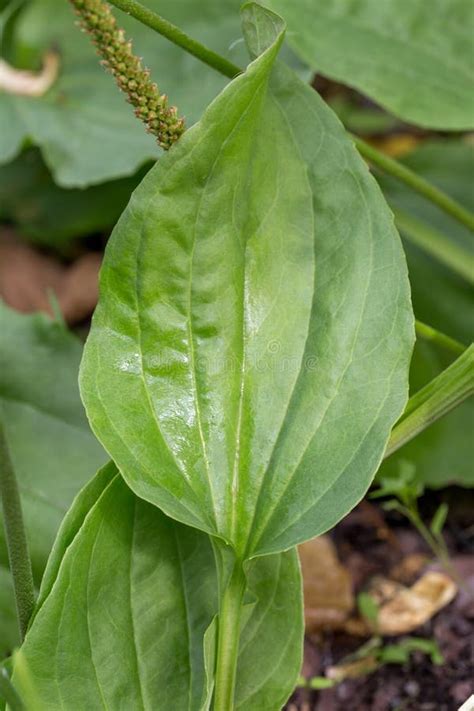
x,y
27,277
79,291
327,586
353,670
409,567
404,609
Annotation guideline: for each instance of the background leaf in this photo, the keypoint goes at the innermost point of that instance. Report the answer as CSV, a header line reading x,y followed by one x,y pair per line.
x,y
51,215
254,327
385,49
83,125
50,443
145,590
444,452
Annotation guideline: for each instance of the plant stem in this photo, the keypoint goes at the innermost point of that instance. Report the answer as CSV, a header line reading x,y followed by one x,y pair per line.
x,y
449,389
436,543
177,36
9,694
18,554
416,182
428,333
228,639
151,107
436,244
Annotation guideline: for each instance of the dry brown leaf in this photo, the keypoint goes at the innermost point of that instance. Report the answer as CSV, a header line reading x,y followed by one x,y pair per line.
x,y
402,609
397,145
27,277
26,83
327,586
79,290
409,568
405,609
352,670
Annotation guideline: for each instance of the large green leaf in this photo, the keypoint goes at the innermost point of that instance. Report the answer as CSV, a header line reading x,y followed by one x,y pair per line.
x,y
127,598
413,57
51,446
444,452
83,125
250,350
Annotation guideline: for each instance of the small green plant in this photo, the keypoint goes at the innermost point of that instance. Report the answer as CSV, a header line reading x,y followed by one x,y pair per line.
x,y
245,368
403,493
373,655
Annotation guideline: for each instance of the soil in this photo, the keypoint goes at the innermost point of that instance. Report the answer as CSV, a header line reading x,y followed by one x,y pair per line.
x,y
372,542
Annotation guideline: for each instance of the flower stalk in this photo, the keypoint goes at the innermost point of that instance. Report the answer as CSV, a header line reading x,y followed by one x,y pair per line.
x,y
15,536
96,19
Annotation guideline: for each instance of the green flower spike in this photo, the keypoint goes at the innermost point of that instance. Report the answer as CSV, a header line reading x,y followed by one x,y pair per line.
x,y
151,107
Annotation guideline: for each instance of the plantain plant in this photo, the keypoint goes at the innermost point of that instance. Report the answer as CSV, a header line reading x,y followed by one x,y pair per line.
x,y
246,364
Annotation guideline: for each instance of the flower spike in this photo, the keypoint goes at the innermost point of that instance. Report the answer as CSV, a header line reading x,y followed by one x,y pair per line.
x,y
151,107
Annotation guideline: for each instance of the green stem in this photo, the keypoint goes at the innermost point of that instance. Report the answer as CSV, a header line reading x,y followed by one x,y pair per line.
x,y
449,389
416,182
177,36
228,640
436,244
9,694
428,333
223,66
18,554
436,544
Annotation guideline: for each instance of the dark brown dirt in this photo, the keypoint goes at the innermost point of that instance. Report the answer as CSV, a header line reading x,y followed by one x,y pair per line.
x,y
372,542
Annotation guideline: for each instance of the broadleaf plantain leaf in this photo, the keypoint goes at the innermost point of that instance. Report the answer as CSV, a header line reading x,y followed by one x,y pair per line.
x,y
250,350
127,598
414,58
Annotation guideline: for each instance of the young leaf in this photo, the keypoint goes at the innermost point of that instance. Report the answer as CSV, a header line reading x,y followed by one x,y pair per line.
x,y
49,441
368,609
439,519
249,354
444,393
385,49
122,618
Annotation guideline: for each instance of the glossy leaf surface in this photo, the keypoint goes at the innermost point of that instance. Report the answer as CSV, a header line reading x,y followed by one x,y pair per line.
x,y
250,350
127,598
50,443
413,57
